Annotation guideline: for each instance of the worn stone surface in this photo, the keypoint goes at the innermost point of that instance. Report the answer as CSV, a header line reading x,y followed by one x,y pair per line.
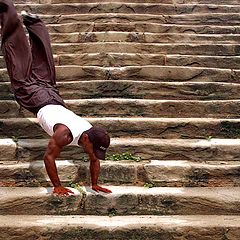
x,y
34,173
146,148
123,201
143,37
118,228
128,8
162,128
167,173
140,27
160,48
187,173
117,107
8,149
141,90
223,19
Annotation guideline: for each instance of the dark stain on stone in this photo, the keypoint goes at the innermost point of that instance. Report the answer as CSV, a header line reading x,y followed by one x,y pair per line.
x,y
198,177
230,129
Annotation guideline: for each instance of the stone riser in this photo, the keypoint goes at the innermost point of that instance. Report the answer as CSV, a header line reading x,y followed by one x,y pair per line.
x,y
143,73
139,48
141,27
139,90
143,38
129,8
185,49
119,228
148,149
158,173
220,19
123,60
226,2
136,127
115,107
127,201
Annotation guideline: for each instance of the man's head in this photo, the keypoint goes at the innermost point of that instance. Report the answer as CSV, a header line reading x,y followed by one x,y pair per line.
x,y
99,139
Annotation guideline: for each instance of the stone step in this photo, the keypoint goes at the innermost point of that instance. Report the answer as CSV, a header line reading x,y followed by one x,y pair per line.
x,y
147,48
140,90
116,107
134,59
138,37
145,73
25,150
221,19
125,200
170,128
141,27
144,48
226,2
167,173
120,227
128,8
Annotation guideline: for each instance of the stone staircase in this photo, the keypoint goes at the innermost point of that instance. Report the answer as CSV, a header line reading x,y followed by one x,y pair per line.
x,y
163,77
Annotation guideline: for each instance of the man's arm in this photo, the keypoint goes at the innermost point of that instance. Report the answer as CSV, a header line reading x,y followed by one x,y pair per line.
x,y
55,146
94,171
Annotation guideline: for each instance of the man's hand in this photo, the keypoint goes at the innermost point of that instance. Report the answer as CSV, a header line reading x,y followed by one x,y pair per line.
x,y
101,189
62,191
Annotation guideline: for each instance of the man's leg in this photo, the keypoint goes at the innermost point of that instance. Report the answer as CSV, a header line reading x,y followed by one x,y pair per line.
x,y
43,68
15,46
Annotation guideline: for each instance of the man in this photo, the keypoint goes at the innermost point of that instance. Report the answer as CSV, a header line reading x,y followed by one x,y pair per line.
x,y
32,75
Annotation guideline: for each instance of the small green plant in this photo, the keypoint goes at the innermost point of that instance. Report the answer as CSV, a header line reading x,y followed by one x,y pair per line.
x,y
76,186
15,139
123,156
149,185
209,138
112,212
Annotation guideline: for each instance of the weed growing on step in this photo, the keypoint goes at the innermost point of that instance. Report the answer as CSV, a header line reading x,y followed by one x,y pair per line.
x,y
112,212
123,156
209,138
15,139
149,185
76,186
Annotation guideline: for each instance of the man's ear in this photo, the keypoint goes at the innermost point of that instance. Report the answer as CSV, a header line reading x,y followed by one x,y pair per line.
x,y
85,137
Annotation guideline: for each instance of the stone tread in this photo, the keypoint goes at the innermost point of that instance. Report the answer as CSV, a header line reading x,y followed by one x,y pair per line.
x,y
168,173
110,36
121,107
196,150
145,73
134,59
120,227
124,200
140,90
129,8
132,1
141,27
172,128
221,19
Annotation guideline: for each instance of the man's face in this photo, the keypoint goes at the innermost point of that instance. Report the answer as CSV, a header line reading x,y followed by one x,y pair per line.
x,y
87,145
